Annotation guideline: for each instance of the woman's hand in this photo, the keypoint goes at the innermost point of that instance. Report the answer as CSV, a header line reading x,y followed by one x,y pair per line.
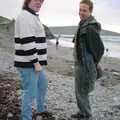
x,y
37,67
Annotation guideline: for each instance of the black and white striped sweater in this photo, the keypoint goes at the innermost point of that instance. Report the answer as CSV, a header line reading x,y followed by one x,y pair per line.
x,y
30,40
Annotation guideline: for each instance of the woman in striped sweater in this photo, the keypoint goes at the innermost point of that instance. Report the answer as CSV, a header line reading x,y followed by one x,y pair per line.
x,y
30,56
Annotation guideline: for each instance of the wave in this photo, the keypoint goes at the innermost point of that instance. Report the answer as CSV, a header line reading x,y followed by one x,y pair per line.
x,y
112,45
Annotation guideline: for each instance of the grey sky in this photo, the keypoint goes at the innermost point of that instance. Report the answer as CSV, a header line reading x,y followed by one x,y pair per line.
x,y
65,12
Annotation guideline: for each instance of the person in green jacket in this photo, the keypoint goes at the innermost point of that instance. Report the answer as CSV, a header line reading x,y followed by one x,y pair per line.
x,y
88,51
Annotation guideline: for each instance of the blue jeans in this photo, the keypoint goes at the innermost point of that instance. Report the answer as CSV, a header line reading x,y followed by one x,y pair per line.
x,y
33,86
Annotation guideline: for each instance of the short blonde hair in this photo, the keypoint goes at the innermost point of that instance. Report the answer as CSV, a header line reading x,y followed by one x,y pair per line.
x,y
89,3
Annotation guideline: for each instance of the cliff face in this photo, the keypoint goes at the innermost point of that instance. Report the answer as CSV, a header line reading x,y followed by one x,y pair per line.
x,y
8,28
7,31
49,34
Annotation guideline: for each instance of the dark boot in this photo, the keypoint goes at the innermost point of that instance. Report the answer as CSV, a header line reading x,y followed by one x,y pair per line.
x,y
80,116
43,116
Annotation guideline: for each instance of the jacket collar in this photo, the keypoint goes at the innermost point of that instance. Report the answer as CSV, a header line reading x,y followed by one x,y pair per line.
x,y
90,20
31,11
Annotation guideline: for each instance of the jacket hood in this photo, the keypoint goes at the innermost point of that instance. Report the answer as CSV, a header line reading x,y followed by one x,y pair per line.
x,y
92,21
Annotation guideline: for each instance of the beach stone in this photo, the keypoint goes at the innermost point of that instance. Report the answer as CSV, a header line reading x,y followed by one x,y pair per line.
x,y
110,79
9,102
60,99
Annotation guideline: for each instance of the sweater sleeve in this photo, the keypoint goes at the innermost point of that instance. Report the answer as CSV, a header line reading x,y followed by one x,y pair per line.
x,y
25,39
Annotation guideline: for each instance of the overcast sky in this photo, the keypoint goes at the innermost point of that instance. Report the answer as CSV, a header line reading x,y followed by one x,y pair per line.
x,y
65,12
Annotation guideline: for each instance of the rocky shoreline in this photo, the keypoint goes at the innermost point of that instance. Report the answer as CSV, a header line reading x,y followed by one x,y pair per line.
x,y
9,100
60,98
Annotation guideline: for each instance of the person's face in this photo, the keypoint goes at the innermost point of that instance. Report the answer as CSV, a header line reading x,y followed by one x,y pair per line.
x,y
35,5
84,11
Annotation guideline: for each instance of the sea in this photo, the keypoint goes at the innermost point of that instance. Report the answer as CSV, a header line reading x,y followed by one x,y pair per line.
x,y
111,43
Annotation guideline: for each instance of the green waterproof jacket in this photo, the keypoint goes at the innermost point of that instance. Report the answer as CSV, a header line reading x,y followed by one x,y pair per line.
x,y
88,52
88,36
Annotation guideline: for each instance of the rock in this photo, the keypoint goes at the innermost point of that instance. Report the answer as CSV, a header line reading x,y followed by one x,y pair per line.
x,y
113,70
116,73
9,102
105,69
110,79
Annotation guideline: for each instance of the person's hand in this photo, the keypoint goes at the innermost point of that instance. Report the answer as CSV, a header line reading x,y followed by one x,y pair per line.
x,y
98,66
99,71
37,67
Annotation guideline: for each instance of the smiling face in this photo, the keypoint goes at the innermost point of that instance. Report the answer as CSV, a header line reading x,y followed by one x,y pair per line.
x,y
84,11
35,5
